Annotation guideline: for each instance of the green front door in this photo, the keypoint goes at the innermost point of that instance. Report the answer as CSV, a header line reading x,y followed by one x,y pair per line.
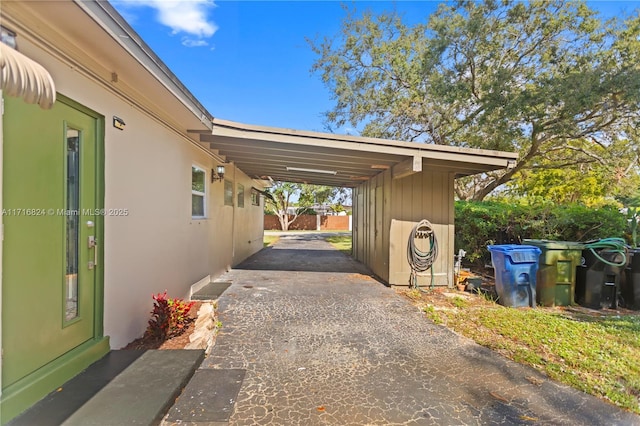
x,y
51,295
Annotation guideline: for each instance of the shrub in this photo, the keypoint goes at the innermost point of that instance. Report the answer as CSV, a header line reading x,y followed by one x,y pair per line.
x,y
169,316
479,224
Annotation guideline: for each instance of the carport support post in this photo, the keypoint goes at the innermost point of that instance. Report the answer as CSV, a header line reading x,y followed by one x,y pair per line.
x,y
317,222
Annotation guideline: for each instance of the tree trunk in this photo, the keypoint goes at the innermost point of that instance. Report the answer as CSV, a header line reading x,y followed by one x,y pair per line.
x,y
284,221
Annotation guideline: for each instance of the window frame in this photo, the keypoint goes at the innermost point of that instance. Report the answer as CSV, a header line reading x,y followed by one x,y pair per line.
x,y
255,197
228,201
240,195
198,193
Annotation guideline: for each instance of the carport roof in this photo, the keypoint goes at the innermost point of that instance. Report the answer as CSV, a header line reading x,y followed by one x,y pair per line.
x,y
338,160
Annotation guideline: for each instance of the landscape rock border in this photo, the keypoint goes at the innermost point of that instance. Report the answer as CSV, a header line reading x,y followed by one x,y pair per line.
x,y
205,327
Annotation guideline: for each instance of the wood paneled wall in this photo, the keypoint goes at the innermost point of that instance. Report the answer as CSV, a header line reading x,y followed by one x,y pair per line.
x,y
385,211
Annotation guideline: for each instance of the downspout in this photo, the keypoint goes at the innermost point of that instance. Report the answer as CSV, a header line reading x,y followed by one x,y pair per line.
x,y
233,216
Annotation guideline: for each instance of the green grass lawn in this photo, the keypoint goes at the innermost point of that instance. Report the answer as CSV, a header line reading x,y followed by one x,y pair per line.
x,y
341,242
597,354
269,239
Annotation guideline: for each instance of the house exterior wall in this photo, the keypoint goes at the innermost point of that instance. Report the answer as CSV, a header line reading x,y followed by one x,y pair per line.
x,y
151,241
247,221
386,210
427,195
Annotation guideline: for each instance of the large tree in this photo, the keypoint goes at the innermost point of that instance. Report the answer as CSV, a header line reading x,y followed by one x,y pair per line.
x,y
289,200
593,182
538,77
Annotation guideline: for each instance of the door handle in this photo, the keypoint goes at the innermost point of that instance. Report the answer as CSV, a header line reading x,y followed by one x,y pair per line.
x,y
93,244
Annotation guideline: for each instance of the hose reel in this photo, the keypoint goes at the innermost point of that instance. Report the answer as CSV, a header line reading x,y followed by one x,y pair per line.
x,y
420,261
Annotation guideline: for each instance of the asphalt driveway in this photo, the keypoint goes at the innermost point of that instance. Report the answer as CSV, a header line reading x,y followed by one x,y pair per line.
x,y
318,341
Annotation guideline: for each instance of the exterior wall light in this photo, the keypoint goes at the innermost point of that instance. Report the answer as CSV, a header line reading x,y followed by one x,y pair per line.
x,y
8,37
118,123
217,174
301,169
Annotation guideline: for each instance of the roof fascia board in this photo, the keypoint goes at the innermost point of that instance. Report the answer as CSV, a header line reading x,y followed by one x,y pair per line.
x,y
219,123
465,155
114,24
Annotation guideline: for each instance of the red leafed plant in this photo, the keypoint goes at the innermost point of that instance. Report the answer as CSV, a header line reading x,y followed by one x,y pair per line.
x,y
169,316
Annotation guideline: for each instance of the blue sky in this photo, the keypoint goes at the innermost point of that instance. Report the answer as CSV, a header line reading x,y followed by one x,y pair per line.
x,y
249,61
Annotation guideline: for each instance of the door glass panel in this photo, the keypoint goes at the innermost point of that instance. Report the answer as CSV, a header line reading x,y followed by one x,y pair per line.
x,y
73,222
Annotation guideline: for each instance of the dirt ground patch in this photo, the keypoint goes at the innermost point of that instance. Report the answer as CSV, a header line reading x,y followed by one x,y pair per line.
x,y
177,342
444,298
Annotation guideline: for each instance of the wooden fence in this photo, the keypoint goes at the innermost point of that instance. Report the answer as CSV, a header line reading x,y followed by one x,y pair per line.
x,y
310,223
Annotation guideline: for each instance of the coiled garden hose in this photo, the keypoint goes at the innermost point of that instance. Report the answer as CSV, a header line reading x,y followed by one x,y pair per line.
x,y
612,245
419,260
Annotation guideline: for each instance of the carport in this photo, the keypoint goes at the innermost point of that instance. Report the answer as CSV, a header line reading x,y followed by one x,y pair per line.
x,y
395,184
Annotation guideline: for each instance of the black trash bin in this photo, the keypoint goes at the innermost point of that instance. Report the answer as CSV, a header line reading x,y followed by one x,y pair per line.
x,y
598,278
631,281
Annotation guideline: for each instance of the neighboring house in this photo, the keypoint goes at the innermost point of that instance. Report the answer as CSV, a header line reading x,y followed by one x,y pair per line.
x,y
110,191
322,210
107,193
319,209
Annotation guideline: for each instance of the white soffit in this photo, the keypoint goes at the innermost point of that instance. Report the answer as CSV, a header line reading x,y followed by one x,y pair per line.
x,y
23,77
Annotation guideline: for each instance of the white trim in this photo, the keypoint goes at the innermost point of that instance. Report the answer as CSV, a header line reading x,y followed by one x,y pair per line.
x,y
199,285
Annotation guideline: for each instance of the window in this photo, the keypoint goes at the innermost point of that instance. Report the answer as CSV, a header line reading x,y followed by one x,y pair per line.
x,y
255,197
73,223
198,179
240,195
228,193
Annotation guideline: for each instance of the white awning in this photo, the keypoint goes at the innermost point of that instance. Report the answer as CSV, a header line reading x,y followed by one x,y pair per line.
x,y
25,78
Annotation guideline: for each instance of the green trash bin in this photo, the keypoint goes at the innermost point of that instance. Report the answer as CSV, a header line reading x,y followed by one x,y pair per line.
x,y
556,277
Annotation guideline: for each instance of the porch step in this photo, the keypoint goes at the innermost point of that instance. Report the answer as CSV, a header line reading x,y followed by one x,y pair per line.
x,y
125,387
211,291
209,398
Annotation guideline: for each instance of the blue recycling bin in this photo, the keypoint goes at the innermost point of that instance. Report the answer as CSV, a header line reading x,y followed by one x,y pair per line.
x,y
515,268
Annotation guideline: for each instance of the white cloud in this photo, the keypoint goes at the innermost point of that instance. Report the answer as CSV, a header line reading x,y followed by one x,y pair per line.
x,y
189,42
188,16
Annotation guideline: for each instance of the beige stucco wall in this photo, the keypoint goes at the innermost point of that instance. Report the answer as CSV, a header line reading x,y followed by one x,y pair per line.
x,y
386,210
248,221
157,245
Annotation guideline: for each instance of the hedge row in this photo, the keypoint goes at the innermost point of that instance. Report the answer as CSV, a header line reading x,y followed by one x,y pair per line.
x,y
479,224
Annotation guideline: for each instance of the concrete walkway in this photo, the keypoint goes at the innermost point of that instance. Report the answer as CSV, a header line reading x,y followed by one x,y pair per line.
x,y
308,338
